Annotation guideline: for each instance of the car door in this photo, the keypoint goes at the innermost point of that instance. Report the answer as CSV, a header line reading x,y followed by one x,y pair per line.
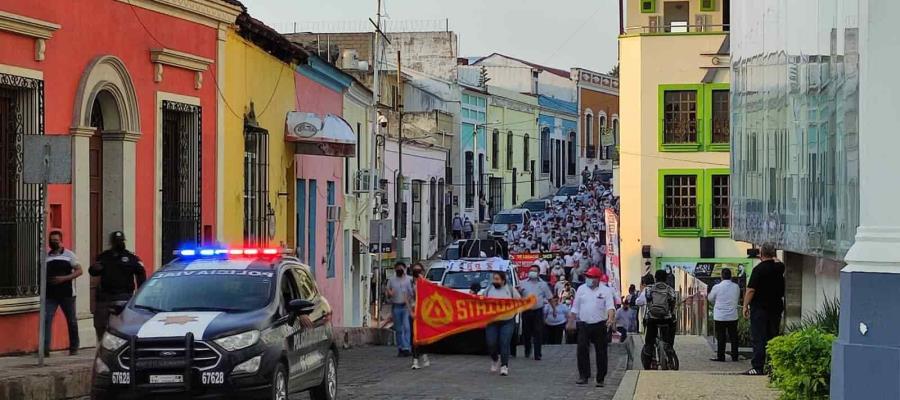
x,y
316,331
288,291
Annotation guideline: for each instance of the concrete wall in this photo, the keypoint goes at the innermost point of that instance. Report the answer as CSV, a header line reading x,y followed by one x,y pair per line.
x,y
515,75
646,63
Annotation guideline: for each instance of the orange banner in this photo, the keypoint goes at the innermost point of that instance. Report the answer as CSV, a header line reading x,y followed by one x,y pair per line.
x,y
441,312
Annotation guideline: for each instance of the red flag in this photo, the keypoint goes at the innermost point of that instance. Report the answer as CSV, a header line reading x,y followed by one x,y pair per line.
x,y
441,312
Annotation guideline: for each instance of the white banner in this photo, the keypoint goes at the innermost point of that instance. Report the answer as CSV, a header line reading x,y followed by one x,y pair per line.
x,y
613,269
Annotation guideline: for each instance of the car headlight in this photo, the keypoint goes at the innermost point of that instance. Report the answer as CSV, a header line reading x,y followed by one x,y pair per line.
x,y
239,341
248,367
112,342
100,366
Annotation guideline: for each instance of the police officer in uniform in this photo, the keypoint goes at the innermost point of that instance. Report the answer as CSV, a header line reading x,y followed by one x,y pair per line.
x,y
120,272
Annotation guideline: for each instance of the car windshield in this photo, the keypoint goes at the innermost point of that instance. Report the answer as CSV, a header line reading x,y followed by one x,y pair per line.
x,y
535,206
464,280
434,274
567,191
508,219
207,290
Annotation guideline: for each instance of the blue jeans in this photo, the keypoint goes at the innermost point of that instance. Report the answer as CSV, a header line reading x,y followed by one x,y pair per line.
x,y
67,304
401,326
499,334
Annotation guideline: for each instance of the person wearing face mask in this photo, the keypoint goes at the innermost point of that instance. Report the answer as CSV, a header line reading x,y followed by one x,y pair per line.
x,y
62,269
420,360
533,319
400,291
498,334
115,275
594,307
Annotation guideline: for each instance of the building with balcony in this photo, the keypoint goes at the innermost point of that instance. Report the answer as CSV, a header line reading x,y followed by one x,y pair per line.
x,y
674,169
598,124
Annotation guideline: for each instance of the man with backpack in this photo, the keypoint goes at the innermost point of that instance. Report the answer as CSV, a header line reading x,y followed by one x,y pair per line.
x,y
659,300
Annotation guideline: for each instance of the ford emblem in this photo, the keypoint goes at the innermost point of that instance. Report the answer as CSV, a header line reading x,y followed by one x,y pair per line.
x,y
167,353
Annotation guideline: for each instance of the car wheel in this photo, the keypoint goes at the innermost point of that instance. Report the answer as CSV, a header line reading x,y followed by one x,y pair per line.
x,y
327,390
279,384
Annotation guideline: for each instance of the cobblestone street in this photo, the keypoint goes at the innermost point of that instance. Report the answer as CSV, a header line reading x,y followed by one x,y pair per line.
x,y
376,373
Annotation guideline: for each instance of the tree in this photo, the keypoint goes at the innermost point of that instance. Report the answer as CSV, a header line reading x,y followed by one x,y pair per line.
x,y
614,72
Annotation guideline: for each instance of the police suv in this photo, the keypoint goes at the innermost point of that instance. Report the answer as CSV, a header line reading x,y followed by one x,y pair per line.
x,y
220,323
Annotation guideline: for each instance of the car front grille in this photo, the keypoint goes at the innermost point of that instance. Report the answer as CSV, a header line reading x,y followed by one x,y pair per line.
x,y
169,355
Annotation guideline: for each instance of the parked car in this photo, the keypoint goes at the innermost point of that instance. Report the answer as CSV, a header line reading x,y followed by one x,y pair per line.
x,y
214,323
504,220
565,192
537,207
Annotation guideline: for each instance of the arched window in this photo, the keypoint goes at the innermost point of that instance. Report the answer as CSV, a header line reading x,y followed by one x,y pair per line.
x,y
495,149
509,150
589,129
526,154
615,129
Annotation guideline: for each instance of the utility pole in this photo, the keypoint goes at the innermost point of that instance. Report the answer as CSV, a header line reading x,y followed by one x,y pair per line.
x,y
373,154
398,183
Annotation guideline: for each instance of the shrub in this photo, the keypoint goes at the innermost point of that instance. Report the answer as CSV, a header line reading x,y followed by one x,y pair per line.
x,y
801,363
825,318
744,338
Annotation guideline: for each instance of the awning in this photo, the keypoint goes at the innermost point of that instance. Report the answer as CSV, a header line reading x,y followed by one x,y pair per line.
x,y
328,135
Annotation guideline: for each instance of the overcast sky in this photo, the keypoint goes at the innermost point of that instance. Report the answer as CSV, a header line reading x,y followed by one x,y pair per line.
x,y
557,33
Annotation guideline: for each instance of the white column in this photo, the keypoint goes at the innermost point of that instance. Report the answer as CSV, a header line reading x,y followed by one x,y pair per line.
x,y
81,211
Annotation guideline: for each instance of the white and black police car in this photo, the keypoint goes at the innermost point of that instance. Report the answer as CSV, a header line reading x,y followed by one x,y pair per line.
x,y
220,323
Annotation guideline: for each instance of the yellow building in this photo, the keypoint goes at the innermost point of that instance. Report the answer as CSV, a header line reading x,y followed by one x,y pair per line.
x,y
258,169
675,131
513,147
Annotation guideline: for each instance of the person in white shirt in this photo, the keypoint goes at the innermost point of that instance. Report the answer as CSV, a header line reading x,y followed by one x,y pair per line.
x,y
544,267
593,308
725,295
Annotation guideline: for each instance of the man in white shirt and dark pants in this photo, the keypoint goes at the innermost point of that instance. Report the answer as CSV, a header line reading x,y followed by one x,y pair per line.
x,y
593,308
725,296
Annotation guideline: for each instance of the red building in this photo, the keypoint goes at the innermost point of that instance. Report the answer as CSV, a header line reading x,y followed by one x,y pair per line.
x,y
134,85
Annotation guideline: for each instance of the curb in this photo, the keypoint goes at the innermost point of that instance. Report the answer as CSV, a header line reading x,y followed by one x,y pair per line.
x,y
627,385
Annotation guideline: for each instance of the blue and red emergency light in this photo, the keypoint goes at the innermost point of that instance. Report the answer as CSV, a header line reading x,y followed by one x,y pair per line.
x,y
231,252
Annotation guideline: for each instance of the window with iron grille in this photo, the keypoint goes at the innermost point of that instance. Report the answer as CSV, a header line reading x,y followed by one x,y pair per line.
x,y
721,207
509,150
680,202
256,184
526,151
21,221
470,180
432,209
545,150
181,172
680,117
721,120
416,220
495,149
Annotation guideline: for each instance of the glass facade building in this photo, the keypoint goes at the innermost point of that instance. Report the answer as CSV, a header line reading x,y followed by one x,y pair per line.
x,y
795,106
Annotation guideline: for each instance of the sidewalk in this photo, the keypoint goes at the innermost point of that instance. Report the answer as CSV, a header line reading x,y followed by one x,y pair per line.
x,y
698,378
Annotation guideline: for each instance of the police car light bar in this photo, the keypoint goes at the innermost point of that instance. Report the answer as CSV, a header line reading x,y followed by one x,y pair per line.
x,y
208,252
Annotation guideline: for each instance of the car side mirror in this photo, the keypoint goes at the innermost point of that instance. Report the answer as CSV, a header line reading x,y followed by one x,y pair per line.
x,y
116,307
301,307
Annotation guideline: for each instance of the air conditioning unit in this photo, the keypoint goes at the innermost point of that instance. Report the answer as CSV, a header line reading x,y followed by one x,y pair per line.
x,y
702,23
655,23
333,213
362,180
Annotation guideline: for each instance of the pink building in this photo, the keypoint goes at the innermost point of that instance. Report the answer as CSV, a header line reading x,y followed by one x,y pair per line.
x,y
318,167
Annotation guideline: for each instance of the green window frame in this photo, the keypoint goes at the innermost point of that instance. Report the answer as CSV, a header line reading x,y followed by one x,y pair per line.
x,y
708,120
695,145
712,213
705,193
668,209
708,5
648,6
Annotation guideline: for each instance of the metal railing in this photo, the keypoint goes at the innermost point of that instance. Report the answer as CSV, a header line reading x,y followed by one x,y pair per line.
x,y
676,28
692,308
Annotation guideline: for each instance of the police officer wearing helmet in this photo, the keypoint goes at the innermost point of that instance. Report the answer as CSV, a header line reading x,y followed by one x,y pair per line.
x,y
594,312
117,273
